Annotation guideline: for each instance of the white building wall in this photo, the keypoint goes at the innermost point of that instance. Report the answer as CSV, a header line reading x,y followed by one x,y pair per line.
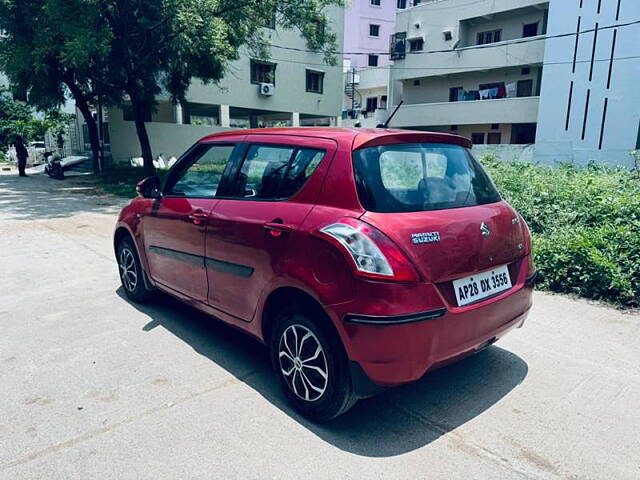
x,y
167,139
561,141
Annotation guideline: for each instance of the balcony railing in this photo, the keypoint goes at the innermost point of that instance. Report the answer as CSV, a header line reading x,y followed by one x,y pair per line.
x,y
494,56
505,110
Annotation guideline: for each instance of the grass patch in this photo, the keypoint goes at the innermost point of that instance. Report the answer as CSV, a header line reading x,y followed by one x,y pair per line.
x,y
585,225
121,181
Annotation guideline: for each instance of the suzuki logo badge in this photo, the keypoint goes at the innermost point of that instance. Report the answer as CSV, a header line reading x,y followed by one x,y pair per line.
x,y
485,229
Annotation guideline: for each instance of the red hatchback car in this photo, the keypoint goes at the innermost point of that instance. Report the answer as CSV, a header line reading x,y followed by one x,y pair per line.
x,y
361,258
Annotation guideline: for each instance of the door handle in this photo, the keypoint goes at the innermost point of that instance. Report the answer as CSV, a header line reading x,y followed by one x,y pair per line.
x,y
278,228
198,217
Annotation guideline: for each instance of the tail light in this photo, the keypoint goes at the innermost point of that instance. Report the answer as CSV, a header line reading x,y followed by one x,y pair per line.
x,y
371,253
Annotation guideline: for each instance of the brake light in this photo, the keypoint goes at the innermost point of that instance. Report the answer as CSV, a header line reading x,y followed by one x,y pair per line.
x,y
371,253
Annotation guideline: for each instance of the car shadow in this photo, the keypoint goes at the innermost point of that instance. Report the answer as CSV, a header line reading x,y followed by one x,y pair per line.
x,y
396,421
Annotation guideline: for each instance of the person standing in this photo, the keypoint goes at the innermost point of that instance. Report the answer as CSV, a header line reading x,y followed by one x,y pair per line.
x,y
22,154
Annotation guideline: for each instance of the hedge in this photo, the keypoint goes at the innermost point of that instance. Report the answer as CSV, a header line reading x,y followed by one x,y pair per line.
x,y
585,225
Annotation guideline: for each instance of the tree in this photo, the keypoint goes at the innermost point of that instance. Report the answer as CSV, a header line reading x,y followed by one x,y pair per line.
x,y
132,50
17,119
51,49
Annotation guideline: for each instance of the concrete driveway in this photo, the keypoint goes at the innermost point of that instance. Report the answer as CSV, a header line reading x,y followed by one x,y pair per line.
x,y
93,387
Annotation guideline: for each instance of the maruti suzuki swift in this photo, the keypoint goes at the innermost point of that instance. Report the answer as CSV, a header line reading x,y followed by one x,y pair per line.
x,y
362,258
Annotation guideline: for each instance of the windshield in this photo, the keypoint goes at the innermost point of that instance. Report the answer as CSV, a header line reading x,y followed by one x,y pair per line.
x,y
419,177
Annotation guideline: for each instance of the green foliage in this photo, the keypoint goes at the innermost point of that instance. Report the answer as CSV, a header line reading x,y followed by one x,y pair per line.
x,y
16,118
121,181
585,225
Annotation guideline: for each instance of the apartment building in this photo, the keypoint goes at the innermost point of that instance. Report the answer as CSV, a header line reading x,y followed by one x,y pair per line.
x,y
291,88
471,68
368,26
590,102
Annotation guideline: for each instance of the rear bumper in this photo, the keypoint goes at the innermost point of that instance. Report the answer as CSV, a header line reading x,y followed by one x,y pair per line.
x,y
391,355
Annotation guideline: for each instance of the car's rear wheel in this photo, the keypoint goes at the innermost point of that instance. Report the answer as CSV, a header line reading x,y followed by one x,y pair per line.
x,y
311,365
131,273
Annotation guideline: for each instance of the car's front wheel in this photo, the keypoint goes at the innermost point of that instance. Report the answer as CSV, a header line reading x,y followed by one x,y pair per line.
x,y
131,273
311,365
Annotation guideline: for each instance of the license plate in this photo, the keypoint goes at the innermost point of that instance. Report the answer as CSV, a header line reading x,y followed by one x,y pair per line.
x,y
482,285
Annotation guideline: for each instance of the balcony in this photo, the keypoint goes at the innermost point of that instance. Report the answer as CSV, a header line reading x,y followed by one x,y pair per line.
x,y
468,59
504,110
375,77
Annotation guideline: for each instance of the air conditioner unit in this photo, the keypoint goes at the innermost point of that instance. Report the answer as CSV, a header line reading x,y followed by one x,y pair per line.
x,y
267,89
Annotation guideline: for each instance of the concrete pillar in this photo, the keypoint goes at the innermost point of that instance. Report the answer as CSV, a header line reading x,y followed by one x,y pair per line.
x,y
295,119
225,116
179,114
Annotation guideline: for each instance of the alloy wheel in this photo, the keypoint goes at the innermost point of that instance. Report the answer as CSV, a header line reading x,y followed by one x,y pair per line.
x,y
128,270
303,362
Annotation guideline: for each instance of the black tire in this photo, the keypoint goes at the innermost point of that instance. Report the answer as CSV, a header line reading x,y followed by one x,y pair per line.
x,y
57,172
132,275
337,396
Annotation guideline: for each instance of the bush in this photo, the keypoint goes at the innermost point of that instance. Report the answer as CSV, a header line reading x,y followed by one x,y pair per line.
x,y
585,225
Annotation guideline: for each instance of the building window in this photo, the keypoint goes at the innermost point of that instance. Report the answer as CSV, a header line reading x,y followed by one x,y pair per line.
x,y
398,45
454,94
263,72
373,60
416,83
491,36
374,30
402,4
271,23
372,104
525,88
383,102
375,3
477,138
530,30
494,138
416,2
315,81
495,126
416,44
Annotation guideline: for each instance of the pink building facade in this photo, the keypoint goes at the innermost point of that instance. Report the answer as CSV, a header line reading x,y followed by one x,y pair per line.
x,y
368,27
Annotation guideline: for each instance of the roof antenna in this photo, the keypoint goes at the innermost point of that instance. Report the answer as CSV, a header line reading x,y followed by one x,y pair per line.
x,y
386,124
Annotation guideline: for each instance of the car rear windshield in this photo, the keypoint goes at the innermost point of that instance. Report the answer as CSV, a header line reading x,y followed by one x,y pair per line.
x,y
419,177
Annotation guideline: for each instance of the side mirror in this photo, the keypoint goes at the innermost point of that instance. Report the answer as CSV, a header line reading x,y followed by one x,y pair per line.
x,y
149,187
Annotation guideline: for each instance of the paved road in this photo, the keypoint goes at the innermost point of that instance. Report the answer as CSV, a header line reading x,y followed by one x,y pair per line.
x,y
92,386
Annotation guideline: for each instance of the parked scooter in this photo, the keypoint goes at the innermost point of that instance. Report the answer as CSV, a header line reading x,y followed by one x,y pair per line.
x,y
53,166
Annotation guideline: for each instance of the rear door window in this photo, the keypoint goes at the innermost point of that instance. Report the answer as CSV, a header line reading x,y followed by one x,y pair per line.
x,y
273,172
419,177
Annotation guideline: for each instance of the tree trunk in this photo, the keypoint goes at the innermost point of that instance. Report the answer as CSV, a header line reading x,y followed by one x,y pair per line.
x,y
92,127
82,103
143,137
